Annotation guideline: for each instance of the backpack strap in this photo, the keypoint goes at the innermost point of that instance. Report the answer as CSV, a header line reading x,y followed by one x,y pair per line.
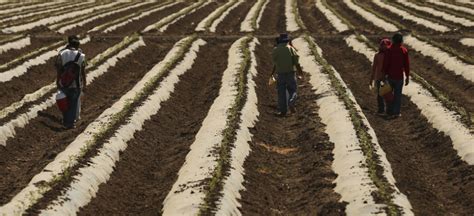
x,y
78,55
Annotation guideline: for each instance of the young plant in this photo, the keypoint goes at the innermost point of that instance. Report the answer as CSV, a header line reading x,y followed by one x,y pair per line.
x,y
215,184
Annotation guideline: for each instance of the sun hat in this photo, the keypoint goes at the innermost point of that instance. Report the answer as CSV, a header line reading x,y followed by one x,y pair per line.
x,y
284,38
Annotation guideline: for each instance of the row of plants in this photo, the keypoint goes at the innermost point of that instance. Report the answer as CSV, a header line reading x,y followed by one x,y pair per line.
x,y
215,183
104,125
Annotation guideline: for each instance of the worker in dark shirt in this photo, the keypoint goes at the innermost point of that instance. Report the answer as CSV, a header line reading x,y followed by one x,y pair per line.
x,y
396,64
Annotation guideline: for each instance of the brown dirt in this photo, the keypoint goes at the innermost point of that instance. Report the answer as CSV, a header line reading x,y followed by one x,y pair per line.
x,y
28,10
423,160
37,42
187,24
41,75
445,9
50,14
146,21
273,18
455,86
427,15
459,4
231,23
42,139
449,39
148,168
289,170
106,19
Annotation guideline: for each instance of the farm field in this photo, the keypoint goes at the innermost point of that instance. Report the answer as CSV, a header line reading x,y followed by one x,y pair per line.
x,y
178,117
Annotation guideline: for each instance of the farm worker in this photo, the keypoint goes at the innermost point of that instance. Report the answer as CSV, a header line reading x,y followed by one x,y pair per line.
x,y
396,63
71,78
377,75
285,60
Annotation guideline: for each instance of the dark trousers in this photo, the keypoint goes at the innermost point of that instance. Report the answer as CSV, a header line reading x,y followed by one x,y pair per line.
x,y
397,86
286,82
380,100
70,116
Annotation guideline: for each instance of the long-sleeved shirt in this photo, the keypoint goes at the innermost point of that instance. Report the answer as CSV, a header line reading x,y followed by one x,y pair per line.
x,y
396,62
284,58
377,66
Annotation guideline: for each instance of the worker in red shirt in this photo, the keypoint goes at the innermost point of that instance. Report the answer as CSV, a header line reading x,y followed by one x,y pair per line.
x,y
395,64
377,75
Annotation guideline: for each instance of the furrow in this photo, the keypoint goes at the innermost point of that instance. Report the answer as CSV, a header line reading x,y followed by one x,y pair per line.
x,y
188,193
21,69
55,19
8,129
27,7
112,26
18,44
253,17
60,167
86,183
443,15
469,2
338,24
41,14
173,16
451,63
461,137
164,27
10,5
64,28
293,21
228,203
347,124
443,119
213,19
451,6
408,16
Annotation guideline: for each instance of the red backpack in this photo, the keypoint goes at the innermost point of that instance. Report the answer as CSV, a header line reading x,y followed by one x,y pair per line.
x,y
70,72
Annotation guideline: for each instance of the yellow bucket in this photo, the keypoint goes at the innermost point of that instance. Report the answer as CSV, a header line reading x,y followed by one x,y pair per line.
x,y
271,81
384,89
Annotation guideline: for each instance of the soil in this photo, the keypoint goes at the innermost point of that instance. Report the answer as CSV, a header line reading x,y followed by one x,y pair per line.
x,y
423,160
454,86
446,9
27,10
43,138
273,18
36,77
448,39
187,24
106,19
437,19
231,23
145,21
289,170
41,75
37,42
153,159
35,18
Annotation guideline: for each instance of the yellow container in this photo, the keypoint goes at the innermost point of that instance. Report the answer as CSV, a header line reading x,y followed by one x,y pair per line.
x,y
384,89
271,81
